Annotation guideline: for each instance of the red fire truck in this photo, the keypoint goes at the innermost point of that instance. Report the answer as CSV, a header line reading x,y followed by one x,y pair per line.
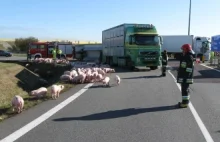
x,y
44,49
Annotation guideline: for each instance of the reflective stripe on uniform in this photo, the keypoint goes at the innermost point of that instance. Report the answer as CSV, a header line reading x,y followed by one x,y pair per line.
x,y
189,80
180,80
188,69
54,53
185,97
183,64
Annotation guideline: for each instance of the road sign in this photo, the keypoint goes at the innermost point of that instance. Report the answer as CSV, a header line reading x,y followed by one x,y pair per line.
x,y
215,43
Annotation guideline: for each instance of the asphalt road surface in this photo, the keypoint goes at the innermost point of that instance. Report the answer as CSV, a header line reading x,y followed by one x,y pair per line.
x,y
141,109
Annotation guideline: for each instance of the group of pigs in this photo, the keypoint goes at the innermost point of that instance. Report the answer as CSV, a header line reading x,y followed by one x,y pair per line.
x,y
18,101
89,75
76,75
50,61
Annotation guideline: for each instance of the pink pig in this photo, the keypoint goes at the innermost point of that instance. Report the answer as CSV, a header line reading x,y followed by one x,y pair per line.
x,y
82,77
99,78
55,91
106,81
17,103
39,92
118,79
66,77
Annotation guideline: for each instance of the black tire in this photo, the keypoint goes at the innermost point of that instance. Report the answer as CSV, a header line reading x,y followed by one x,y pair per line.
x,y
37,56
132,68
62,57
153,67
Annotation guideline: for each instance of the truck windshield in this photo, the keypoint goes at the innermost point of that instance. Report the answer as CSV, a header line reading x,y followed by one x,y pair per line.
x,y
146,40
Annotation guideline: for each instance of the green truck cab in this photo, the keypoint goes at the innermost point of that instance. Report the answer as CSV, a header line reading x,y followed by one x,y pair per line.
x,y
132,45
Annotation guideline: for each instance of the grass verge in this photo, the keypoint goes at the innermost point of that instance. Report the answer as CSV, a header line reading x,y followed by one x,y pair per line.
x,y
20,55
15,79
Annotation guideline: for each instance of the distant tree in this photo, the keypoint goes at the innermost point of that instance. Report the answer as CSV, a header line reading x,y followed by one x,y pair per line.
x,y
2,47
13,48
23,43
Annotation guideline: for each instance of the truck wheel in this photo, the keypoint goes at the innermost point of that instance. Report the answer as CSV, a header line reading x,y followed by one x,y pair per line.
x,y
153,67
130,65
36,57
132,68
63,57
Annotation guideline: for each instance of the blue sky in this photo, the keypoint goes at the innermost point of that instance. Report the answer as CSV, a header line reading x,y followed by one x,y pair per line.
x,y
85,19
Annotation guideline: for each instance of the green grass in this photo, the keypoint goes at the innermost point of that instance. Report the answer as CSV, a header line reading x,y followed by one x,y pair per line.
x,y
2,47
19,54
10,77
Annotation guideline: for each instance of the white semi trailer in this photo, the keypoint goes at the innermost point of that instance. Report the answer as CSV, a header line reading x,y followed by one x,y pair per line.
x,y
200,45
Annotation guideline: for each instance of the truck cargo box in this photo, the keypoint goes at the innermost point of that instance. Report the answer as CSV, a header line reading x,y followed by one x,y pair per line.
x,y
173,43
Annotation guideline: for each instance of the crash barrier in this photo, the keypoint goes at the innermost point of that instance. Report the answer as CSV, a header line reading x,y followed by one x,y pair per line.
x,y
215,61
216,53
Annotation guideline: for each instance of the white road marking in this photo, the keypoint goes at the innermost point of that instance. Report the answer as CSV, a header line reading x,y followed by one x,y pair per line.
x,y
20,132
210,67
202,127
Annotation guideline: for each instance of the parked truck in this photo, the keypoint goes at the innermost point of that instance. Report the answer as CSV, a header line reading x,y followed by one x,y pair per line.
x,y
201,45
132,45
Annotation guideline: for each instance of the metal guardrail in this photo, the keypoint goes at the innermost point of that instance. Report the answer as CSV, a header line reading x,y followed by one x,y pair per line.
x,y
215,61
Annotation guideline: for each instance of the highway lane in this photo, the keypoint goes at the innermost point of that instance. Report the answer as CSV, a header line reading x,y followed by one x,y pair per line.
x,y
14,123
15,58
142,108
205,96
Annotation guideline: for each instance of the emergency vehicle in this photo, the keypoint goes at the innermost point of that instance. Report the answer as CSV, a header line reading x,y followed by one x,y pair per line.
x,y
44,49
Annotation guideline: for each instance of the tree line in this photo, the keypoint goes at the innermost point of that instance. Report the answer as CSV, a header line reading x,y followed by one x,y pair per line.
x,y
22,44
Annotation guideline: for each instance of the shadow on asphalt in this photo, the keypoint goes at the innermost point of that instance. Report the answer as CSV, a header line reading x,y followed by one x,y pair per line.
x,y
202,76
207,74
137,77
118,113
102,86
124,70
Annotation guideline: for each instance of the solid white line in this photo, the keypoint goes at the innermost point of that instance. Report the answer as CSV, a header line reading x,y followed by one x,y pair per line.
x,y
202,127
210,67
20,132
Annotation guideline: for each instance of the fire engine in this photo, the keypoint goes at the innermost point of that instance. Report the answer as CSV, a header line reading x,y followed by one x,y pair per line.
x,y
44,49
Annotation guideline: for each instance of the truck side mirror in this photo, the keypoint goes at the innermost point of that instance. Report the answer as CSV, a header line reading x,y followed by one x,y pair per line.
x,y
130,39
161,40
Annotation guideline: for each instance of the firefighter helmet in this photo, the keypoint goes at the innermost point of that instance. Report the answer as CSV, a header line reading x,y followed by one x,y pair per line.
x,y
186,47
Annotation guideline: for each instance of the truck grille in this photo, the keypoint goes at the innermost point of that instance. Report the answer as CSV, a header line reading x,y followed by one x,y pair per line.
x,y
148,53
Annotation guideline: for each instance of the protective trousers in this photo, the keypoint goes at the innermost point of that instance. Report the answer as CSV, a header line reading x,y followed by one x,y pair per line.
x,y
185,93
163,69
58,56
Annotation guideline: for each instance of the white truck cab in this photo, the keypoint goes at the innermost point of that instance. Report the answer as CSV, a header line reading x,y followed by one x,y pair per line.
x,y
202,46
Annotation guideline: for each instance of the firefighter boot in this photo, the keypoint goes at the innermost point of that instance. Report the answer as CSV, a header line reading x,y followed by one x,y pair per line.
x,y
164,71
182,105
185,102
164,74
